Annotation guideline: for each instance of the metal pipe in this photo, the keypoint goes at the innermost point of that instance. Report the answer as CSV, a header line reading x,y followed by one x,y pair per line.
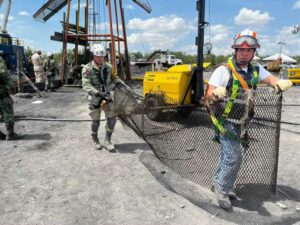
x,y
117,25
77,40
90,35
127,68
3,30
199,84
87,16
66,25
112,50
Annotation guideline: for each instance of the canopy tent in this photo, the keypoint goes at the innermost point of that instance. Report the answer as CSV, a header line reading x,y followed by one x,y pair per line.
x,y
285,58
256,58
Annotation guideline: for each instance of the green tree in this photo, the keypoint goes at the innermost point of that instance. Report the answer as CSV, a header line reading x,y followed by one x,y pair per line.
x,y
211,58
221,59
28,52
135,55
297,57
58,56
186,58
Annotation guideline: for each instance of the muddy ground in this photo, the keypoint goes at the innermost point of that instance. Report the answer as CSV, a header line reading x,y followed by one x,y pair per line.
x,y
54,176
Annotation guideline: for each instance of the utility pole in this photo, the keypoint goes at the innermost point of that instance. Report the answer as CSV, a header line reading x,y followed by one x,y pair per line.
x,y
296,29
199,89
197,81
281,44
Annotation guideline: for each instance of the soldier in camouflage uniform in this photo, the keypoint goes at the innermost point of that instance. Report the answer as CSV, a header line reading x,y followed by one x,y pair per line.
x,y
50,69
6,103
97,81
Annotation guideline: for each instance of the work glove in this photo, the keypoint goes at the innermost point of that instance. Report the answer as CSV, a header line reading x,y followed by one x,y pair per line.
x,y
218,94
282,85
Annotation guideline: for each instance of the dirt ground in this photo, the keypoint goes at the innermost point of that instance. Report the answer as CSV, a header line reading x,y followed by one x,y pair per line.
x,y
54,177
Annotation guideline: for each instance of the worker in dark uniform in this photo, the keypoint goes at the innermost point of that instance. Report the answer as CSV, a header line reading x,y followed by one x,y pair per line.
x,y
6,103
50,68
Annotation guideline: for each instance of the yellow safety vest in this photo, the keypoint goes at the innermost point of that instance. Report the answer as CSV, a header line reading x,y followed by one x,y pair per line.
x,y
237,82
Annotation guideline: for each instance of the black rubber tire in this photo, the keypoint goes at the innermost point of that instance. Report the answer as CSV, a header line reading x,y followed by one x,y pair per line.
x,y
154,101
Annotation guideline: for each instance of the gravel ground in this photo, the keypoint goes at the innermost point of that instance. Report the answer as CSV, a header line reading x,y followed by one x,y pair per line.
x,y
54,176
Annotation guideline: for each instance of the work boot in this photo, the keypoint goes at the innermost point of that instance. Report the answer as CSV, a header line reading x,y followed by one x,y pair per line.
x,y
107,143
96,142
223,200
11,135
2,136
232,195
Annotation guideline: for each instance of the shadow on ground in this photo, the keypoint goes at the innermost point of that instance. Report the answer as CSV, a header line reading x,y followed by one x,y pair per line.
x,y
131,147
30,137
248,211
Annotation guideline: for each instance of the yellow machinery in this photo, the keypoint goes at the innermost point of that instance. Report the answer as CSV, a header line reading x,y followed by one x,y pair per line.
x,y
168,87
273,66
294,75
182,86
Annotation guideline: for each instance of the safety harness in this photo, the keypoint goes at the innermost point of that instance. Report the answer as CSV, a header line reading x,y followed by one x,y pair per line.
x,y
237,82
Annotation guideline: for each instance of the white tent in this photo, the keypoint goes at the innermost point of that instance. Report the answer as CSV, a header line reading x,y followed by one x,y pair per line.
x,y
256,58
285,58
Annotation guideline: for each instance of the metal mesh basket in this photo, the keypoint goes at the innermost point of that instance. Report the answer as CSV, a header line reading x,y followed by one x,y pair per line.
x,y
182,137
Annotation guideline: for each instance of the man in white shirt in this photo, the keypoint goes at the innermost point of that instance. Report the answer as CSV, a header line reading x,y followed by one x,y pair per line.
x,y
37,61
239,72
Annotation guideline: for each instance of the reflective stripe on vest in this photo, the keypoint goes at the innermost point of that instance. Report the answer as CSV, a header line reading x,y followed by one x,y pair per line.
x,y
235,88
218,123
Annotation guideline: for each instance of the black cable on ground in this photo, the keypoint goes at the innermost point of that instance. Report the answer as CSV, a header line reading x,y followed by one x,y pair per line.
x,y
55,120
88,120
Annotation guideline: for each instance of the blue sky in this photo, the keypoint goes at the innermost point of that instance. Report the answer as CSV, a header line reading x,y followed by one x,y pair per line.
x,y
172,24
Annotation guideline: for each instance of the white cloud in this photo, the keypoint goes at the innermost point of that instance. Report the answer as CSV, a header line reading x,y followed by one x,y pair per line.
x,y
296,5
160,24
2,18
249,17
221,39
292,41
24,13
128,6
82,5
163,32
189,49
269,42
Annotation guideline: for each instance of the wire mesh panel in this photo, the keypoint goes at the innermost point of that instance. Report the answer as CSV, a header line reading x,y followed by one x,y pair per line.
x,y
186,140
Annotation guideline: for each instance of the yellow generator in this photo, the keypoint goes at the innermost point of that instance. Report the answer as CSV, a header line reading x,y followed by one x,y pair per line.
x,y
168,87
294,75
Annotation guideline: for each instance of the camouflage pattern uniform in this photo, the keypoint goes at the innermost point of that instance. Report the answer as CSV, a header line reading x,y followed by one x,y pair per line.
x,y
6,102
98,82
50,69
